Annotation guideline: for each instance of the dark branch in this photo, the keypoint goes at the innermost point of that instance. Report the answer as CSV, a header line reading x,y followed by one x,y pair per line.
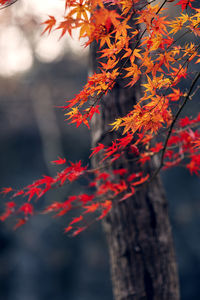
x,y
187,97
2,6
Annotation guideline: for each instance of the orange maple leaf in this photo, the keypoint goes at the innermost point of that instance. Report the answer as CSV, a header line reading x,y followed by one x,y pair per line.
x,y
50,23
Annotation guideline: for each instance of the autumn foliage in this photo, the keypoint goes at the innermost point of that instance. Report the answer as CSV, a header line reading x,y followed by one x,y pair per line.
x,y
136,40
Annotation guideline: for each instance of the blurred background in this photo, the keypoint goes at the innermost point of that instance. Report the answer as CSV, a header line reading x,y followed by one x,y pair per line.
x,y
38,261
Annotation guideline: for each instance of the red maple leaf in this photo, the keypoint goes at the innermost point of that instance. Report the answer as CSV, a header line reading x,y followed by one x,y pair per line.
x,y
157,148
59,161
67,229
84,198
97,149
91,208
27,209
128,195
142,180
32,192
107,205
185,3
3,2
19,223
76,220
5,191
120,172
79,230
10,206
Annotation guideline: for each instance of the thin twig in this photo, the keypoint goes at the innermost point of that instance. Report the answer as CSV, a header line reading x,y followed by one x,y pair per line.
x,y
8,4
172,125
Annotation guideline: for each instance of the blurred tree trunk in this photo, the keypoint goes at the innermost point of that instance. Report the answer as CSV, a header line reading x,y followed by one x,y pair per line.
x,y
143,264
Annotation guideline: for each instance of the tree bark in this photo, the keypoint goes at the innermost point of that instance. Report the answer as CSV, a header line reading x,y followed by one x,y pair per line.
x,y
143,264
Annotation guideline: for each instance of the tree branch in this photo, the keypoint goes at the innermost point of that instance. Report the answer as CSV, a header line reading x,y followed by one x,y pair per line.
x,y
187,97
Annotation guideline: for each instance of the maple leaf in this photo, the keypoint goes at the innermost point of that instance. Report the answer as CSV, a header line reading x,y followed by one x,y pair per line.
x,y
85,198
18,193
53,207
179,73
194,165
27,209
120,172
76,220
175,96
144,158
91,208
32,192
3,2
67,25
174,139
102,175
50,23
10,207
107,205
142,180
117,124
128,195
184,122
70,173
92,110
97,149
197,144
157,148
115,157
69,3
5,190
68,228
19,223
134,175
185,3
79,230
63,211
59,161
110,150
135,54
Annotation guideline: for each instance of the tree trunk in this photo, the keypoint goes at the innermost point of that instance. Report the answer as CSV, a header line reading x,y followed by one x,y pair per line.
x,y
143,264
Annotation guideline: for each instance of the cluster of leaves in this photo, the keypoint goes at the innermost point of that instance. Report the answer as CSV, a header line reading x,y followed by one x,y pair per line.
x,y
136,39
